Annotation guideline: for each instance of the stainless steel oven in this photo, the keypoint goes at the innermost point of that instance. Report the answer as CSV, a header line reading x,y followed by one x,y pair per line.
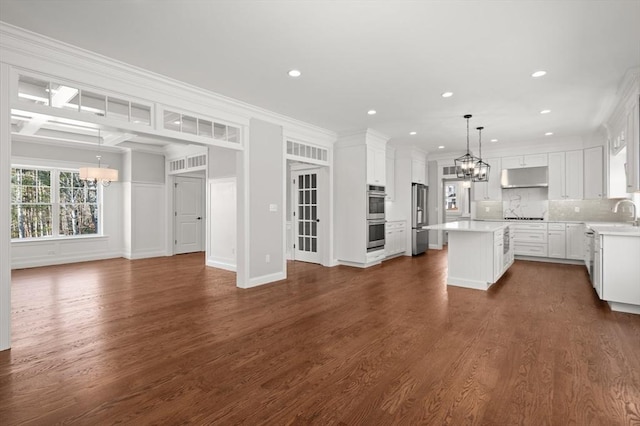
x,y
375,202
375,235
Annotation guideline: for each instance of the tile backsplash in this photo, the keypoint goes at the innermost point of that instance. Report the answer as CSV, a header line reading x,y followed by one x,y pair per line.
x,y
533,202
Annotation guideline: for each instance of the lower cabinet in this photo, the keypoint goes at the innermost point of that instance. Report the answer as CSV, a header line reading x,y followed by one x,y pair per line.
x,y
557,240
617,270
575,241
530,239
395,238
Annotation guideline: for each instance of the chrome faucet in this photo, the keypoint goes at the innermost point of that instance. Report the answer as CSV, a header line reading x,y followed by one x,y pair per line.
x,y
634,213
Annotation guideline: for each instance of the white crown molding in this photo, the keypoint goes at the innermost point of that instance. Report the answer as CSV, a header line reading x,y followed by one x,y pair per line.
x,y
23,48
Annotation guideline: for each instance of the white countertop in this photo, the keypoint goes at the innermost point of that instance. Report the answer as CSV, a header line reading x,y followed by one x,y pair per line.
x,y
468,226
605,229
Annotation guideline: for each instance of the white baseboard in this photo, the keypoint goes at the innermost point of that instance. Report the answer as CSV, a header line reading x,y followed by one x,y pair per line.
x,y
265,279
221,265
47,261
144,254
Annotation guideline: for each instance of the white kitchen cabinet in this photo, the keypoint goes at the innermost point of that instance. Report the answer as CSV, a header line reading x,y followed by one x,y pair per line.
x,y
419,170
530,239
633,146
491,190
376,165
594,173
617,270
557,240
575,241
390,187
566,175
530,160
395,238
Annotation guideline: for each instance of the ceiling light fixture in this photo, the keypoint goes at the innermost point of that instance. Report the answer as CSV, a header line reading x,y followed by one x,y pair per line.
x,y
294,73
371,112
413,133
447,94
466,163
545,111
99,174
549,134
441,147
494,140
481,169
538,74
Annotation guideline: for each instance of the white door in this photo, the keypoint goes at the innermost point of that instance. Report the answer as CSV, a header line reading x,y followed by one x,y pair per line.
x,y
188,195
306,222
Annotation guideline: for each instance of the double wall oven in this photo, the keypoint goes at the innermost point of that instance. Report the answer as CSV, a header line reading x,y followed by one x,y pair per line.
x,y
375,217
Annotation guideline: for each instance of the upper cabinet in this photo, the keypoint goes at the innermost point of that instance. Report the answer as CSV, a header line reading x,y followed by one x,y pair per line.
x,y
391,174
531,160
376,164
623,129
633,146
594,173
418,168
490,190
566,175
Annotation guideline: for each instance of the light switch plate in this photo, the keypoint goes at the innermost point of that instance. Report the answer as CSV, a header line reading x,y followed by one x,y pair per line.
x,y
273,207
576,209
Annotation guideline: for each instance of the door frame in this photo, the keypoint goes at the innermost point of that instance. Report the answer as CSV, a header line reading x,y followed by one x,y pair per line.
x,y
324,209
203,227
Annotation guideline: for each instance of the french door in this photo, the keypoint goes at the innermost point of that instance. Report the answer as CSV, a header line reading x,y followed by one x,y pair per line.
x,y
306,222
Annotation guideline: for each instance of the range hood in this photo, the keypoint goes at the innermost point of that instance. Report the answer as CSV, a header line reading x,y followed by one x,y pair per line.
x,y
525,177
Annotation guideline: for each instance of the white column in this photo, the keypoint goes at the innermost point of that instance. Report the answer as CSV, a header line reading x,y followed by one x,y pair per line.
x,y
5,221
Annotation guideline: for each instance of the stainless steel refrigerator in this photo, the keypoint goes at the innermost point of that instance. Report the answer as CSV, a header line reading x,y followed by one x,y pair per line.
x,y
420,237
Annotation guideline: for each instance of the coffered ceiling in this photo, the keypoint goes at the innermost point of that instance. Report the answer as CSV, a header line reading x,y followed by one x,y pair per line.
x,y
394,57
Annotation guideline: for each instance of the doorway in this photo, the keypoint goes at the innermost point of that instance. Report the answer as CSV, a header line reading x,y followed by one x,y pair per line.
x,y
305,215
188,196
456,202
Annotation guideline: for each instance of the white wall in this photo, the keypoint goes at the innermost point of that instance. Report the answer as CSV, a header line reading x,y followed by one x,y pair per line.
x,y
266,203
5,217
222,208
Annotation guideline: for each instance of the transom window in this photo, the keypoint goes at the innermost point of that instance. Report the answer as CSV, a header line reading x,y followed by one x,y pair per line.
x,y
49,202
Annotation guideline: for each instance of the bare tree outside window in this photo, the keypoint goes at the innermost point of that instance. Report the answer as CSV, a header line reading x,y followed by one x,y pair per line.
x,y
38,196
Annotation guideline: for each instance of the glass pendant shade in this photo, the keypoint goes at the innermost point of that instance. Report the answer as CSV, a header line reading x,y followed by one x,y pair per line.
x,y
466,164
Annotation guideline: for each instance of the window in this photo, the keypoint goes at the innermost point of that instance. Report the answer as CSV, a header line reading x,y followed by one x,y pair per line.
x,y
52,203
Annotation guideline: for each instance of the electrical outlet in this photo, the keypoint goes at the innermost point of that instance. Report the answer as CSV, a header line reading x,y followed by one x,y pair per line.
x,y
487,209
267,258
576,209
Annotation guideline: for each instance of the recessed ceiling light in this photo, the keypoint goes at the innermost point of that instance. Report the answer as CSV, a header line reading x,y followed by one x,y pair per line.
x,y
441,147
447,94
548,134
494,140
413,133
371,112
294,73
545,111
538,74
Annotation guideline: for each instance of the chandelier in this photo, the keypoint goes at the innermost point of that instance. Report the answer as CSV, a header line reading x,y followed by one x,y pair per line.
x,y
481,168
466,164
99,174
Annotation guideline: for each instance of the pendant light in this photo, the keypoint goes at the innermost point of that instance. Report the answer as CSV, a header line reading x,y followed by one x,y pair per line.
x,y
481,169
99,174
466,164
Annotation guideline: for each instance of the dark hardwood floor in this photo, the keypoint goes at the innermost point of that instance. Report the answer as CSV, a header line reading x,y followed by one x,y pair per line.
x,y
170,341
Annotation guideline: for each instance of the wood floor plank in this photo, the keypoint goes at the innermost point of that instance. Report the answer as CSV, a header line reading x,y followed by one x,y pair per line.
x,y
170,341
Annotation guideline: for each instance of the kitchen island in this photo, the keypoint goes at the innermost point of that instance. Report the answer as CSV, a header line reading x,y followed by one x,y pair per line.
x,y
479,252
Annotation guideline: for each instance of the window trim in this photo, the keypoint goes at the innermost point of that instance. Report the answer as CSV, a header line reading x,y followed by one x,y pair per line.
x,y
56,204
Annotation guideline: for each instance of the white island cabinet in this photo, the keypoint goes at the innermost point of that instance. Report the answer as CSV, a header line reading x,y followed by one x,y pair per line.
x,y
479,252
616,274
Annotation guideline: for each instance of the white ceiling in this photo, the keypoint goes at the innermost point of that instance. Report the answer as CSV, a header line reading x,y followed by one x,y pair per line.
x,y
396,57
